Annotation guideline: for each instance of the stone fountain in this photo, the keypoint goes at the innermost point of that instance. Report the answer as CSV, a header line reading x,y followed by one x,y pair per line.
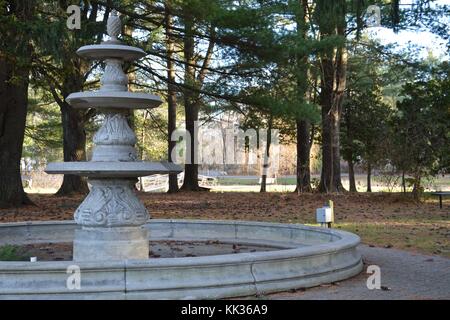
x,y
111,216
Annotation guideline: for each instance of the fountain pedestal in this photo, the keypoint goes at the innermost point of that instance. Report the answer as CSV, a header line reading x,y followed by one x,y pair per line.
x,y
112,217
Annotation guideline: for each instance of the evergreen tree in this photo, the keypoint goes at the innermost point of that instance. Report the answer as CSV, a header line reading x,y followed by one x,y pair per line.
x,y
16,34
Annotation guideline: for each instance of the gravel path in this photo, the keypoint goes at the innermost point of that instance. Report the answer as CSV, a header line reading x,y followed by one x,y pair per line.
x,y
404,275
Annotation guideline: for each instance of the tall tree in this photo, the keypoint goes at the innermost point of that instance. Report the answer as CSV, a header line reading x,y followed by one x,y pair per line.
x,y
422,123
195,70
171,92
61,71
303,126
16,18
330,17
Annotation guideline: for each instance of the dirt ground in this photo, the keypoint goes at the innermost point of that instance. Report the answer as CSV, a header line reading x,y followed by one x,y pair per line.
x,y
380,219
158,249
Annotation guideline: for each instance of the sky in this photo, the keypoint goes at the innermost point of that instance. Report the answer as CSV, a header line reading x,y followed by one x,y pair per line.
x,y
427,40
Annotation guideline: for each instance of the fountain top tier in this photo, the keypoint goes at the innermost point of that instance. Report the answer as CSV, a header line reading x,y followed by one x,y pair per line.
x,y
114,90
113,48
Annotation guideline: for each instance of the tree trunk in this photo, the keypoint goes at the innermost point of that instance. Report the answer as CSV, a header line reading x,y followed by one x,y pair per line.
x,y
351,176
74,142
369,177
190,182
326,93
13,112
336,175
246,156
349,153
73,121
303,125
303,154
338,105
266,161
171,96
417,188
14,80
403,182
333,82
192,97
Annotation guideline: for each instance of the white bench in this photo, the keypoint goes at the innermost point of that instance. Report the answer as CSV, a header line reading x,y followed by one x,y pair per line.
x,y
154,182
207,180
269,180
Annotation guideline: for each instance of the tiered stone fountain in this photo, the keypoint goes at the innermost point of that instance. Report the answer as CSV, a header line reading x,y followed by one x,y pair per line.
x,y
112,216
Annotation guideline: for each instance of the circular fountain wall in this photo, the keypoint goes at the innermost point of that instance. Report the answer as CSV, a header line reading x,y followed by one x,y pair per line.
x,y
296,256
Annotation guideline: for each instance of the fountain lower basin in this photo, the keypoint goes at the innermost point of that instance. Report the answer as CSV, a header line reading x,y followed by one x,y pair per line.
x,y
300,257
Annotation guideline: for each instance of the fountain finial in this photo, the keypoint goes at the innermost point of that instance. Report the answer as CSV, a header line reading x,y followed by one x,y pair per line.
x,y
114,26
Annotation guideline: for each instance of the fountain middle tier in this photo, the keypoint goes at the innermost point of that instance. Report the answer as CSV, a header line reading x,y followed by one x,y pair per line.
x,y
111,50
114,154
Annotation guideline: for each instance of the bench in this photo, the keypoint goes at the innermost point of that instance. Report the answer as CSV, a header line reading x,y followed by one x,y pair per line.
x,y
268,181
440,194
207,180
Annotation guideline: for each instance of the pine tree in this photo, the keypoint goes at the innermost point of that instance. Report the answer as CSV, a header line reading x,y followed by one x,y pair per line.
x,y
16,18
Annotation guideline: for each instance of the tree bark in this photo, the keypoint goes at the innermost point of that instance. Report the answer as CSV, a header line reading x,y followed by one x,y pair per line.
x,y
303,125
73,122
417,187
403,182
246,155
266,159
190,182
303,155
333,83
74,143
338,105
171,96
14,80
326,93
369,177
351,175
192,98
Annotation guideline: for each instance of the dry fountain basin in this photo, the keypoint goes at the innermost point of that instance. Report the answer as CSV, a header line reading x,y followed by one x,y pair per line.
x,y
284,257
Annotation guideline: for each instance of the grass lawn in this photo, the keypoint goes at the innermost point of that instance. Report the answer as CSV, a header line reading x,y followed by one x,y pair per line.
x,y
379,184
380,219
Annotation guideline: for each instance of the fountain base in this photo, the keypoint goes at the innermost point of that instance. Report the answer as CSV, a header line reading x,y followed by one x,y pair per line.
x,y
299,257
109,244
